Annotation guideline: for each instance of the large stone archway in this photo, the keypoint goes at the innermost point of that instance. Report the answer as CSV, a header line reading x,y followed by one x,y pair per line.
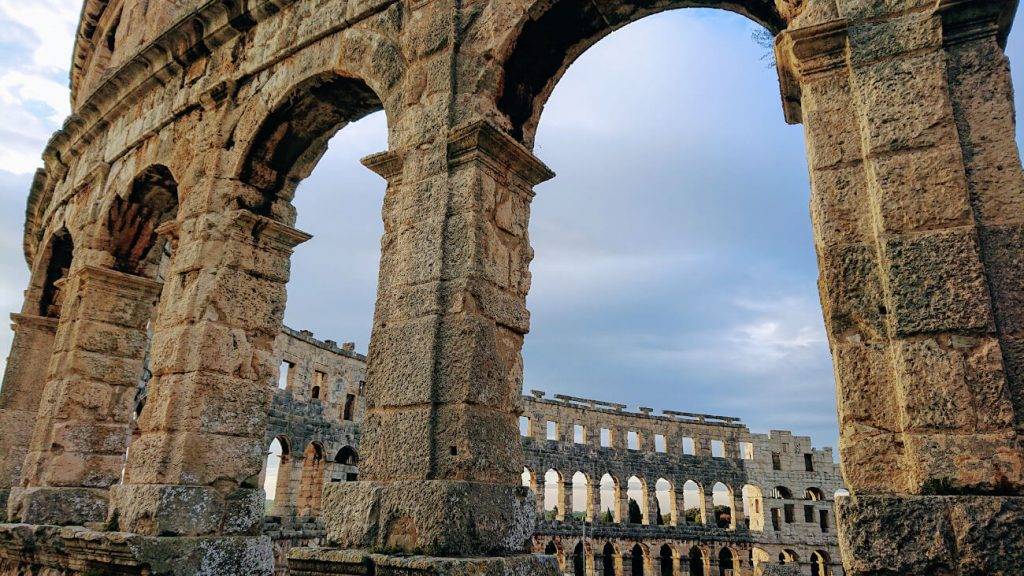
x,y
918,212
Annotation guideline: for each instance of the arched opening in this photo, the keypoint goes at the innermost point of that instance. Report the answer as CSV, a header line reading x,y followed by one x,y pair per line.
x,y
693,502
637,560
665,499
759,559
667,561
58,264
311,484
636,494
133,223
608,560
820,563
727,563
347,455
275,475
579,560
528,480
814,494
753,507
721,496
551,549
697,561
581,497
554,496
788,556
346,465
609,497
782,493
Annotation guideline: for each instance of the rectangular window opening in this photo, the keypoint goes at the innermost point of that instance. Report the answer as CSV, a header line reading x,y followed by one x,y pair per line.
x,y
285,376
659,443
632,440
790,510
823,520
808,514
717,449
524,426
579,434
552,430
689,446
747,450
809,462
606,438
776,461
776,520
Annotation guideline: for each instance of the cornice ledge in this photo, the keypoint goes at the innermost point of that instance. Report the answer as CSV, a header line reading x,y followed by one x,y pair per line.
x,y
483,139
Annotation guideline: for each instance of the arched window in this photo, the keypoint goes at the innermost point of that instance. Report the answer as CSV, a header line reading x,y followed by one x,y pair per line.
x,y
726,562
62,249
609,500
666,559
636,492
697,562
637,558
693,502
347,456
275,478
753,507
782,493
554,496
820,563
579,560
528,480
721,495
665,499
608,560
551,549
814,494
581,497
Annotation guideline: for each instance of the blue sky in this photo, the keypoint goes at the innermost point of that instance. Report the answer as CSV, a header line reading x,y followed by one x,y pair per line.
x,y
674,263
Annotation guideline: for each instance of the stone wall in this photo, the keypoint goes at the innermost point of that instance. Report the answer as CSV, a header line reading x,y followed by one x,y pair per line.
x,y
723,450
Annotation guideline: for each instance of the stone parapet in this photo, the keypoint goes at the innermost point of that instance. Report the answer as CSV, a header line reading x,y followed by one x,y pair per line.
x,y
327,561
954,535
77,551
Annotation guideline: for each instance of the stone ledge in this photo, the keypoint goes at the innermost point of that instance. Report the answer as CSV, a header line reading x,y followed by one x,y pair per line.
x,y
953,535
78,551
335,562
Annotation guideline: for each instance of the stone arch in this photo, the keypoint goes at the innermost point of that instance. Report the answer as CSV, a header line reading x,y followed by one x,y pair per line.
x,y
554,494
759,559
636,492
580,504
665,497
582,559
54,268
347,455
820,563
788,556
815,494
131,232
276,476
753,507
698,561
609,499
551,37
693,503
639,559
311,483
782,493
722,498
293,136
529,479
666,560
611,562
728,562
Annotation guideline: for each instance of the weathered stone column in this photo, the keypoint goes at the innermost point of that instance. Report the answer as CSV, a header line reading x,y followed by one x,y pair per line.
x,y
22,390
192,471
916,202
82,431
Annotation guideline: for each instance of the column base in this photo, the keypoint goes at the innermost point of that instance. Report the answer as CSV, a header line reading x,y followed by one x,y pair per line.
x,y
948,535
77,551
434,517
336,562
57,506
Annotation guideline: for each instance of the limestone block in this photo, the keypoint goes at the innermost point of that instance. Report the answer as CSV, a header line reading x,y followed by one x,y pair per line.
x,y
874,460
973,462
989,534
937,283
852,293
1003,251
865,385
874,40
57,506
921,190
436,517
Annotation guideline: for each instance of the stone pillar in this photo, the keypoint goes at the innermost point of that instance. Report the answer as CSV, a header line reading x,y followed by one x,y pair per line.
x,y
191,471
917,209
443,455
595,500
22,389
737,509
82,428
284,501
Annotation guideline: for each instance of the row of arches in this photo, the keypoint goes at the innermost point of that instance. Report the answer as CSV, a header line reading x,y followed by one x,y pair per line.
x,y
296,484
633,502
592,558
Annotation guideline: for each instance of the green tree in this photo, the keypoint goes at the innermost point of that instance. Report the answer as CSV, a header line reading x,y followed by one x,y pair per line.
x,y
608,516
636,516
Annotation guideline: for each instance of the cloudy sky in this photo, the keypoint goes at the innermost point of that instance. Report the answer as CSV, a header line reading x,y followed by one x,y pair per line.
x,y
674,261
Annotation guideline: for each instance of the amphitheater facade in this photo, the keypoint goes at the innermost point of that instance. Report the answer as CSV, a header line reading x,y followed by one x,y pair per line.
x,y
586,460
160,229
